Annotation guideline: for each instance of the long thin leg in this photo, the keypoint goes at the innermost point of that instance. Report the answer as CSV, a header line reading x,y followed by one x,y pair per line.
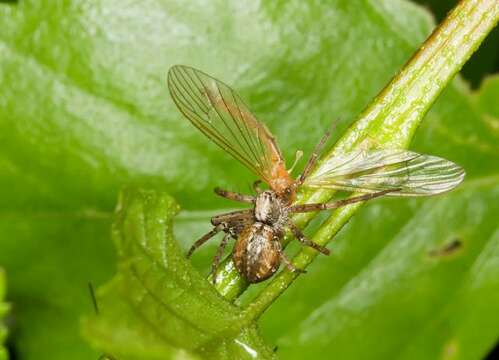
x,y
204,239
339,203
304,240
315,155
290,265
218,256
232,195
231,217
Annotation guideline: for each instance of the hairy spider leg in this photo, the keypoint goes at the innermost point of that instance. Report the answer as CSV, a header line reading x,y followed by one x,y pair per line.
x,y
289,264
336,204
205,238
304,240
223,222
235,196
218,256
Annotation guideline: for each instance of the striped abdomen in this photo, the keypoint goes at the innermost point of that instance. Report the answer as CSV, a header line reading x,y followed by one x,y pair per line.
x,y
257,252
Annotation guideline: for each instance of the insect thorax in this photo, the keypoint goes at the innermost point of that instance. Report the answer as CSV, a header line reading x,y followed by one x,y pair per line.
x,y
269,208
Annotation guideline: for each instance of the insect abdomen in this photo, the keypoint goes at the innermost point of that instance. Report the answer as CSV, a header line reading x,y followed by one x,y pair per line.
x,y
256,254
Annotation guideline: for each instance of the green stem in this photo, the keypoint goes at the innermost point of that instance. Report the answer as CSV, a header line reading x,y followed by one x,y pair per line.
x,y
390,121
400,108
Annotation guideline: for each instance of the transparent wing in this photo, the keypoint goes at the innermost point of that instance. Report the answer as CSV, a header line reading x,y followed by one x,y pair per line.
x,y
370,171
219,112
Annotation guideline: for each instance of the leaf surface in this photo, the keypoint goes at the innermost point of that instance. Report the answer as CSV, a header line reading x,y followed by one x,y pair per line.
x,y
421,272
158,306
84,110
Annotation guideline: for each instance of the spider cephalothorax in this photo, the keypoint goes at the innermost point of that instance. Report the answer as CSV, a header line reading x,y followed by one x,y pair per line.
x,y
270,209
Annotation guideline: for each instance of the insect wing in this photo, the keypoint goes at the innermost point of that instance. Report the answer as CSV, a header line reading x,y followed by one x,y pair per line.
x,y
371,171
219,112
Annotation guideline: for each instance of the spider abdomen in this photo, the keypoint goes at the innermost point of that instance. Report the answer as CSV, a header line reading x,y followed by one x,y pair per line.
x,y
256,253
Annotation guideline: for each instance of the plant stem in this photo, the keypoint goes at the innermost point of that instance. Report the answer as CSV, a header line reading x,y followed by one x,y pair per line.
x,y
395,114
390,121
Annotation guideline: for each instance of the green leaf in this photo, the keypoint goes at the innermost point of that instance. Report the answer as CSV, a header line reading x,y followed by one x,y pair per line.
x,y
396,270
158,306
391,119
51,257
4,308
486,102
84,109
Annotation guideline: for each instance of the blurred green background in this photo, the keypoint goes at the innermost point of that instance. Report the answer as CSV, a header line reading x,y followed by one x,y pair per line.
x,y
84,111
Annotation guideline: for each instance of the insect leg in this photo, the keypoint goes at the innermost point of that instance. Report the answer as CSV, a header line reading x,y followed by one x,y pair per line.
x,y
338,203
235,196
218,255
290,265
305,241
204,239
315,155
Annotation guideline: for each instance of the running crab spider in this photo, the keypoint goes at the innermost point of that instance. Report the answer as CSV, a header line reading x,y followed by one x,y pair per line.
x,y
219,112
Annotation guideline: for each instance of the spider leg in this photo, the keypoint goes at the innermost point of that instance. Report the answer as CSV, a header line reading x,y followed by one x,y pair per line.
x,y
290,265
218,256
205,238
235,196
228,217
305,241
338,203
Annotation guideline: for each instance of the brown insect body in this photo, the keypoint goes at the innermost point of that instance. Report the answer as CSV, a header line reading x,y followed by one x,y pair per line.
x,y
220,113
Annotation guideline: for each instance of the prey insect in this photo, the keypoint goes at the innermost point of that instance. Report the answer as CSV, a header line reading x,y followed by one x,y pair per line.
x,y
220,113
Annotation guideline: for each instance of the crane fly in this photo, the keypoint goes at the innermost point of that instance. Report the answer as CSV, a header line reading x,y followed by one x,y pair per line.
x,y
220,113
